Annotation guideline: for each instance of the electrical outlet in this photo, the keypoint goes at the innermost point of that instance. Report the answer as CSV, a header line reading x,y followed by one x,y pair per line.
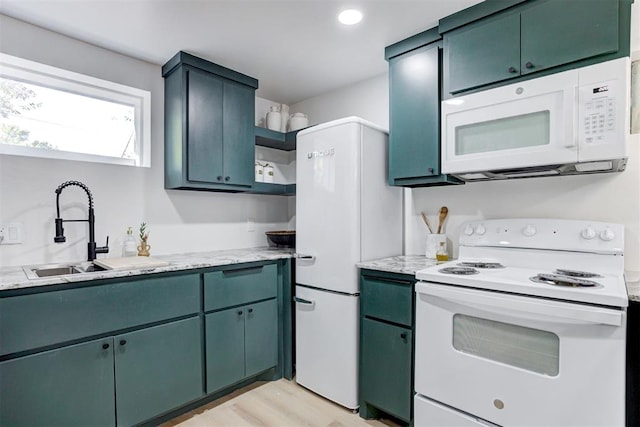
x,y
11,233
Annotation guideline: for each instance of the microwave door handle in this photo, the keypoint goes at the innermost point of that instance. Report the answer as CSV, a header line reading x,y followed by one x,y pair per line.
x,y
572,127
513,305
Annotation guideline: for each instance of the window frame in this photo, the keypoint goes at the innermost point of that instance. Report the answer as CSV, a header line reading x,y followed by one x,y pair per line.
x,y
19,69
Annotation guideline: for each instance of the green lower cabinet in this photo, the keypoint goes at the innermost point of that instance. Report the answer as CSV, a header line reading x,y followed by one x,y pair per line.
x,y
261,337
157,369
224,337
70,386
386,369
240,342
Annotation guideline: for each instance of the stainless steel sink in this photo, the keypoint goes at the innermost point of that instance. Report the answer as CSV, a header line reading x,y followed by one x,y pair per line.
x,y
54,270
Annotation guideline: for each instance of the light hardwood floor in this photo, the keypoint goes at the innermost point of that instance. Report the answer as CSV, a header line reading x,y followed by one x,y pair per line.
x,y
279,403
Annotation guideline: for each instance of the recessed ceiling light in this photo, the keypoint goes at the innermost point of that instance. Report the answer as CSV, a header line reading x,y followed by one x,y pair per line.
x,y
350,16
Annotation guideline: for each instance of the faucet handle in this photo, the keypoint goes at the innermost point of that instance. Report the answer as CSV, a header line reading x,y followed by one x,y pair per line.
x,y
103,249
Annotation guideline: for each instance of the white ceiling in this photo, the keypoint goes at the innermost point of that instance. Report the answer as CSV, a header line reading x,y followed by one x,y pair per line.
x,y
295,48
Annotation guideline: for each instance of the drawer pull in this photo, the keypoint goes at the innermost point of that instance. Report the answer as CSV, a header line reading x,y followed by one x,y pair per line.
x,y
250,310
513,70
529,65
105,346
384,279
303,256
403,335
239,312
123,342
242,270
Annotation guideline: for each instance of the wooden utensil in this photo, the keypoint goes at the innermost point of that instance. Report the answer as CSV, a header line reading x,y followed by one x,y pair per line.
x,y
443,215
426,221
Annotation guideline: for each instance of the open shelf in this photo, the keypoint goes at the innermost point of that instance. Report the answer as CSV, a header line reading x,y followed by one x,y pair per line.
x,y
270,188
278,140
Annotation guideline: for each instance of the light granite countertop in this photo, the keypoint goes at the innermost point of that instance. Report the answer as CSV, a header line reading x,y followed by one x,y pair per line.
x,y
14,277
403,264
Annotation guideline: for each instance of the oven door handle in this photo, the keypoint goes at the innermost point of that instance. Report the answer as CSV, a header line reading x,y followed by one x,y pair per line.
x,y
514,305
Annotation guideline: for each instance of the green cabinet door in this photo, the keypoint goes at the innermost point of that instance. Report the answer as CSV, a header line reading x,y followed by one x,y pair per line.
x,y
556,32
414,116
261,337
385,367
204,127
70,386
484,52
239,140
224,338
157,369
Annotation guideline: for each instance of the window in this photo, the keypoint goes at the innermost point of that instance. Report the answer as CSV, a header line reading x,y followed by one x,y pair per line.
x,y
54,113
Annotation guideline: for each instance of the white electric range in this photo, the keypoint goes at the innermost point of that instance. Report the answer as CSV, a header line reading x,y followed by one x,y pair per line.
x,y
526,328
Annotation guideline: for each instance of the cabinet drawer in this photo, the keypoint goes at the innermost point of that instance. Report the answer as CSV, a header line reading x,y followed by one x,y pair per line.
x,y
239,286
37,320
387,299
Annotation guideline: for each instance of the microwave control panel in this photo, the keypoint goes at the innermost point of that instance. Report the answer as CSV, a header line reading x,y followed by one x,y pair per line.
x,y
597,121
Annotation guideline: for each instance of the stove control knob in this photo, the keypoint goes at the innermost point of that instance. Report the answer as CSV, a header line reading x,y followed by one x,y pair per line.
x,y
529,230
480,229
468,230
607,235
588,233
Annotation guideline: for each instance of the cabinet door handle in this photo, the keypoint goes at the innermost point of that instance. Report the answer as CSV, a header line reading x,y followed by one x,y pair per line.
x,y
105,346
513,70
123,342
302,300
529,65
403,335
219,177
239,312
227,178
250,310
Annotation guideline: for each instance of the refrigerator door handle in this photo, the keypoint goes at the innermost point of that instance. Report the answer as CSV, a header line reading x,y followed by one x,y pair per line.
x,y
303,301
303,256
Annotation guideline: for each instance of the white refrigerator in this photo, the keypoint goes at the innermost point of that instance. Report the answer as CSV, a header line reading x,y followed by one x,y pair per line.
x,y
345,213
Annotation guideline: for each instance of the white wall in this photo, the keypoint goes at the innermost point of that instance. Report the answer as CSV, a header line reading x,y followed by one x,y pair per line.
x,y
601,197
179,221
368,99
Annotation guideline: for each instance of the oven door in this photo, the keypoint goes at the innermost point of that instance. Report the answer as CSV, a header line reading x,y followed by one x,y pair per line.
x,y
520,361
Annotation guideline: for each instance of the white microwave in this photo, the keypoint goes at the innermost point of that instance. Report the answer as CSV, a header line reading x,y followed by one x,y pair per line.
x,y
572,122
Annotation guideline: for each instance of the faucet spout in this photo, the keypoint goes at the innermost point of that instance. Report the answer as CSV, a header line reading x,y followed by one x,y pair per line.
x,y
92,249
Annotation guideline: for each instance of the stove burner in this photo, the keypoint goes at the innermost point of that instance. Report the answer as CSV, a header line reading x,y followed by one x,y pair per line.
x,y
575,273
481,264
560,280
459,270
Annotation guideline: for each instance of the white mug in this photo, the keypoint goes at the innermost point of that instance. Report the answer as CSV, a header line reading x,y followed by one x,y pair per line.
x,y
433,243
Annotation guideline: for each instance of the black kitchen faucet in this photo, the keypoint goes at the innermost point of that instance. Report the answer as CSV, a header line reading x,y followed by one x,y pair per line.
x,y
92,249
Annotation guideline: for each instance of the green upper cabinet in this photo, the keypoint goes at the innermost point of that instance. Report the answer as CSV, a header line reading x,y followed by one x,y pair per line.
x,y
209,126
483,52
493,42
557,32
414,112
